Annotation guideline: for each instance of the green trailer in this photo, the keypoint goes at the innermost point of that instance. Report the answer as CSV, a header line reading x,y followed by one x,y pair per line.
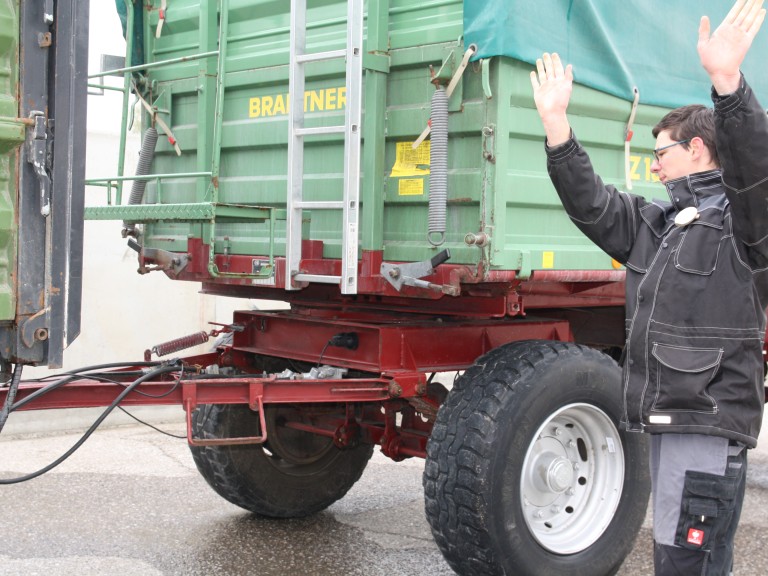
x,y
221,96
377,165
361,162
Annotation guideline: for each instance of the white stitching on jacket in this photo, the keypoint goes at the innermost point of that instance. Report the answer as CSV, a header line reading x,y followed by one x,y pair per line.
x,y
747,189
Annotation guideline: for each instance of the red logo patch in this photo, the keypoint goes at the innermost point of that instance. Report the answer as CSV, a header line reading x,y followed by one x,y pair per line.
x,y
695,537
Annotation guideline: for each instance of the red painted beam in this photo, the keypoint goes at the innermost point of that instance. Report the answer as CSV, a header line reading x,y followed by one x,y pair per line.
x,y
390,345
88,393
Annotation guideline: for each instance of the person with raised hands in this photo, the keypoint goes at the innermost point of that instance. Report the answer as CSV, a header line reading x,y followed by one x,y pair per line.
x,y
696,289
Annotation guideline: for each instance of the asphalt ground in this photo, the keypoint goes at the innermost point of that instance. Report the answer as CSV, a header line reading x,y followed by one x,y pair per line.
x,y
130,502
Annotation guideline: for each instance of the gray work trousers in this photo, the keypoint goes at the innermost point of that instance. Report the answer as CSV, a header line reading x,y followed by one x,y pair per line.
x,y
698,485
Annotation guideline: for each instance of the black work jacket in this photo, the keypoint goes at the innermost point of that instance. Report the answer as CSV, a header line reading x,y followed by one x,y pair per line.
x,y
696,294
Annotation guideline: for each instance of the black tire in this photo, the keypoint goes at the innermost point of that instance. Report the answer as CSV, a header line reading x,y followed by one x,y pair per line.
x,y
294,474
492,465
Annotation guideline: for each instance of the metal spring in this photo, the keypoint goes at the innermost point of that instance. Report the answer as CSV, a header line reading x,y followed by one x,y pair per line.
x,y
438,166
180,343
142,169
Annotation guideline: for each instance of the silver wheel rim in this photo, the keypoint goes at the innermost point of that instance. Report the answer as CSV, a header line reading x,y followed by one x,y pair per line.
x,y
572,478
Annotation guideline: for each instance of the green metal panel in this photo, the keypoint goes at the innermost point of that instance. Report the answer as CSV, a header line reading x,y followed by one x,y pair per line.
x,y
11,135
497,175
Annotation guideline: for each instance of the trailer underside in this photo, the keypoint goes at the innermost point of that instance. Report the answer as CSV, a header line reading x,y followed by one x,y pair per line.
x,y
375,360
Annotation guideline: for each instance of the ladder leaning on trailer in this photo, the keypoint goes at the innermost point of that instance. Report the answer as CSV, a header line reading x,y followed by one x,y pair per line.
x,y
298,131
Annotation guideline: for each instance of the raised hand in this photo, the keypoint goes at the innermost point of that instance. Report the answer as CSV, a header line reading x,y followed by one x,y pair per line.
x,y
552,89
722,52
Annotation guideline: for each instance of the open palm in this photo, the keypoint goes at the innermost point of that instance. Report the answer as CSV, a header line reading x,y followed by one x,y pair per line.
x,y
552,86
722,52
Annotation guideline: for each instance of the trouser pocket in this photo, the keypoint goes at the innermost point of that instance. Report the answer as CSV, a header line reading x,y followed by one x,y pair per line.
x,y
706,509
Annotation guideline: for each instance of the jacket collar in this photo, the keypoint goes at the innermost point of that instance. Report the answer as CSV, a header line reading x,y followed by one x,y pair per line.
x,y
692,189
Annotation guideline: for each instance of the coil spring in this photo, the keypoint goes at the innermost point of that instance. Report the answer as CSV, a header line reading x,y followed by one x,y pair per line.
x,y
142,169
438,167
180,343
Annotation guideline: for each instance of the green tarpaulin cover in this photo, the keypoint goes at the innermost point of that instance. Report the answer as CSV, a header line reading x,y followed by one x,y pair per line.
x,y
137,53
614,45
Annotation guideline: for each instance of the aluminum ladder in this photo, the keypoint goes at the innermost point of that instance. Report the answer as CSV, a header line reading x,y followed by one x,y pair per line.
x,y
349,205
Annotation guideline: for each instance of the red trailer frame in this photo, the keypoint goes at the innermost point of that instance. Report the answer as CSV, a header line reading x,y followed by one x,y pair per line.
x,y
389,367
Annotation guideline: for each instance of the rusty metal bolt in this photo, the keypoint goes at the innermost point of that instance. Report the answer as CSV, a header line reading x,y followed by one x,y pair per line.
x,y
480,239
395,390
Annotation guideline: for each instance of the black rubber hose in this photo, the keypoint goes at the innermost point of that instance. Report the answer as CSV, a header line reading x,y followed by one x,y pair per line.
x,y
81,373
94,426
14,386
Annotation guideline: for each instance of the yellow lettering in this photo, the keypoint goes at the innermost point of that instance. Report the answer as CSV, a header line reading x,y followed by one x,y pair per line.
x,y
254,107
330,99
649,176
316,101
280,107
266,105
634,165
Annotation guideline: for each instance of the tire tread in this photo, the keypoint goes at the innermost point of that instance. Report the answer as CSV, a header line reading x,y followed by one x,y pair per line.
x,y
463,442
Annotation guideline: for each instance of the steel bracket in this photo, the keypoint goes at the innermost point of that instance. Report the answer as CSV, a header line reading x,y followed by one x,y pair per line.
x,y
410,274
255,402
35,329
37,155
159,259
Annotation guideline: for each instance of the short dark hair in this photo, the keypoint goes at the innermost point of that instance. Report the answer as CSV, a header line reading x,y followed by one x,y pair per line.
x,y
688,122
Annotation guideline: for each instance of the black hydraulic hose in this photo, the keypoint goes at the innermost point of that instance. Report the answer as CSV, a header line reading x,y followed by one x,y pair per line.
x,y
8,404
148,376
74,376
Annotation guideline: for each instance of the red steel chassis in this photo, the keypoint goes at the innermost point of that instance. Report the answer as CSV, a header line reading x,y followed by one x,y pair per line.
x,y
401,339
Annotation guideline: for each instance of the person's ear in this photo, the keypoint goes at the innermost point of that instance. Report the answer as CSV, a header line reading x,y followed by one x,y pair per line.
x,y
697,148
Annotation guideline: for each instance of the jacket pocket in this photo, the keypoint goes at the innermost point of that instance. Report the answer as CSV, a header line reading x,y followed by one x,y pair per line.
x,y
699,249
682,375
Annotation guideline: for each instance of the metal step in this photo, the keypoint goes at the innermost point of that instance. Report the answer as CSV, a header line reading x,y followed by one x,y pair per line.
x,y
317,278
320,130
320,56
309,205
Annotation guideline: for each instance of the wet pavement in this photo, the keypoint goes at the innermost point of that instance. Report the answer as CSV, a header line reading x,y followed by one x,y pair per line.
x,y
131,502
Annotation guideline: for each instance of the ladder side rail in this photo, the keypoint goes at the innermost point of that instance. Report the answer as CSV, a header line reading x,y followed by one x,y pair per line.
x,y
352,143
295,168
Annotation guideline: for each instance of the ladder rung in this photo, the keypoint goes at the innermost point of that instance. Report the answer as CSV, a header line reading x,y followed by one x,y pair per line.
x,y
319,130
317,278
316,205
319,56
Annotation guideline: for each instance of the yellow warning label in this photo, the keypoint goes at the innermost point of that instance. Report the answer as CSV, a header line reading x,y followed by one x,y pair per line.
x,y
548,260
410,187
410,162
